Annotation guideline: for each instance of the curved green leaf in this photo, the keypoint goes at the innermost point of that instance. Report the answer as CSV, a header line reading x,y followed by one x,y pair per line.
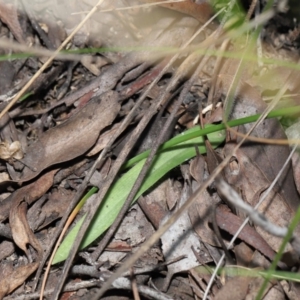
x,y
163,163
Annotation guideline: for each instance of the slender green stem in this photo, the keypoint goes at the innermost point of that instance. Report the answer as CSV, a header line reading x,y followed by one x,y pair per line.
x,y
197,131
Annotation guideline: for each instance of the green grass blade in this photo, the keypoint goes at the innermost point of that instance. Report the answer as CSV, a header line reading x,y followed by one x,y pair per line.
x,y
196,131
164,162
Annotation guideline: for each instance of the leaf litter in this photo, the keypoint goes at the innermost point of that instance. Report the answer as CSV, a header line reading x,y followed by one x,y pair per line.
x,y
49,143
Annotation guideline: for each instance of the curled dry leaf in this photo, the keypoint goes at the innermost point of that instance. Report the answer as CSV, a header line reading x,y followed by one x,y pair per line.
x,y
21,231
9,151
29,193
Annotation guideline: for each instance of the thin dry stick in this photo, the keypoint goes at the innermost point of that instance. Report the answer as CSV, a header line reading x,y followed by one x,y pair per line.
x,y
134,287
70,287
216,71
123,283
50,59
68,223
251,9
258,219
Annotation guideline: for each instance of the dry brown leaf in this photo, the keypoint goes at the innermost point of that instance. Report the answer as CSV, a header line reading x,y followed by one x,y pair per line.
x,y
21,232
71,138
11,278
231,223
